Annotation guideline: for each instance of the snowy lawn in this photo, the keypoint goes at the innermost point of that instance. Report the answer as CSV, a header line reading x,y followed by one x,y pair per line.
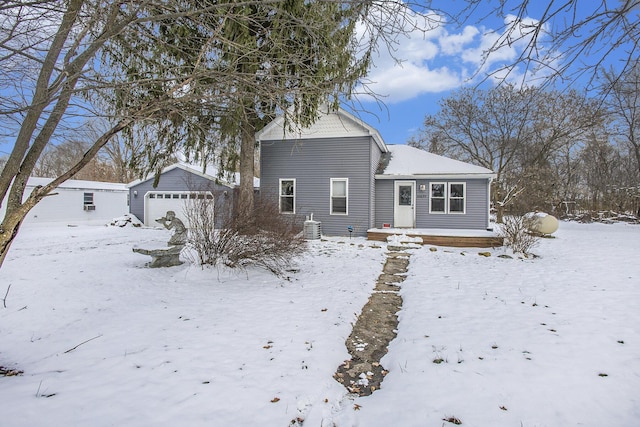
x,y
104,341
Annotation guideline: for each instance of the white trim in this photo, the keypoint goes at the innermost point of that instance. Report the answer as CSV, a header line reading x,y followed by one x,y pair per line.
x,y
396,205
280,195
464,198
346,181
437,177
444,198
447,198
298,133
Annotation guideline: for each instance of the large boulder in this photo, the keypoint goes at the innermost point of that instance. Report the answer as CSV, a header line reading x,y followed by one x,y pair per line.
x,y
543,223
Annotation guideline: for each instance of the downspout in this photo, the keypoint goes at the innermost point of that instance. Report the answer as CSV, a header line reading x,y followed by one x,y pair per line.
x,y
489,228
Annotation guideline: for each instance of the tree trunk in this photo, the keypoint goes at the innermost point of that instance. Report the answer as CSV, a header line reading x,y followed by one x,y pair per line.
x,y
17,211
12,221
497,202
247,158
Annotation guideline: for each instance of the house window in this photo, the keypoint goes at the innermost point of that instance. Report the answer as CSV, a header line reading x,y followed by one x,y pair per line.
x,y
437,199
447,198
457,197
339,196
287,196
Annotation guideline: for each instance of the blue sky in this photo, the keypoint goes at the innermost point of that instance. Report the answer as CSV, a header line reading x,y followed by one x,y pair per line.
x,y
437,62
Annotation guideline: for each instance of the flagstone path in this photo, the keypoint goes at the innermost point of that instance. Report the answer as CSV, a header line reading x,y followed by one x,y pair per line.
x,y
375,328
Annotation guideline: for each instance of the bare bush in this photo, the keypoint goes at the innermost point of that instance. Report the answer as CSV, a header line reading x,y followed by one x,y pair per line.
x,y
259,237
517,233
202,238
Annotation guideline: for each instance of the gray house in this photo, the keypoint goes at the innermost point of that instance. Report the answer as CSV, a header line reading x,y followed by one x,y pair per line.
x,y
178,184
340,171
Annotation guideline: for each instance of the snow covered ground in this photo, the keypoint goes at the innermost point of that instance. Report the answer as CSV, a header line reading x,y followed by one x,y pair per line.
x,y
104,341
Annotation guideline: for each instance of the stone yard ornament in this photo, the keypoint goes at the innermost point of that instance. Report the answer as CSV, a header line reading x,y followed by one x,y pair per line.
x,y
170,256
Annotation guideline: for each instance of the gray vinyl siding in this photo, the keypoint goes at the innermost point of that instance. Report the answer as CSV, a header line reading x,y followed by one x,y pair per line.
x,y
476,216
376,154
384,202
173,180
312,163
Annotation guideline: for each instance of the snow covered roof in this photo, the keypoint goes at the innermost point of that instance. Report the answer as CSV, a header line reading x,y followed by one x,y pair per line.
x,y
409,162
338,124
211,174
77,184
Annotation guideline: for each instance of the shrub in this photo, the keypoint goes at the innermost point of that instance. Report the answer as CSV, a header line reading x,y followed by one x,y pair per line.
x,y
517,234
261,237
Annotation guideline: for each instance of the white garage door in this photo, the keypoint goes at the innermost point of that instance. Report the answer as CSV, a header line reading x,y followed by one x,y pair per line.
x,y
157,203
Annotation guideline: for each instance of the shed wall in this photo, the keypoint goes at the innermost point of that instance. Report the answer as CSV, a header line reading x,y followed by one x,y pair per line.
x,y
68,206
176,179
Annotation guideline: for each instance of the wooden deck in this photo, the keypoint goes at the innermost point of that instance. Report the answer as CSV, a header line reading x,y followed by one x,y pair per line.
x,y
453,238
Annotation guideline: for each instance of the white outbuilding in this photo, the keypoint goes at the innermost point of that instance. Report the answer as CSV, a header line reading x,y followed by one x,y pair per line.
x,y
77,201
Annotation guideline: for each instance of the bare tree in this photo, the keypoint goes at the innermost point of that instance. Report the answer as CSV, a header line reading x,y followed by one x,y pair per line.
x,y
57,159
487,128
564,39
518,133
623,104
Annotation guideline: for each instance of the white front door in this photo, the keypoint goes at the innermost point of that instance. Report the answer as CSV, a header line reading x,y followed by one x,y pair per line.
x,y
404,213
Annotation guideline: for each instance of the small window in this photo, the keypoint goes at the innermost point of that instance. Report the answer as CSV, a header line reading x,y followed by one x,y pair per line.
x,y
405,196
152,196
339,196
287,196
88,199
184,196
456,197
437,198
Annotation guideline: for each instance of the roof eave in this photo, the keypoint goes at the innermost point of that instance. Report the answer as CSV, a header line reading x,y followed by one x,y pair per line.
x,y
186,168
439,176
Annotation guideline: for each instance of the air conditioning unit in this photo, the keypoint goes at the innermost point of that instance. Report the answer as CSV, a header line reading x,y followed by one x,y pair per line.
x,y
312,229
89,207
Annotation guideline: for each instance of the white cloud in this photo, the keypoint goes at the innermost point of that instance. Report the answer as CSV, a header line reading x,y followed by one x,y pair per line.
x,y
452,44
409,80
433,60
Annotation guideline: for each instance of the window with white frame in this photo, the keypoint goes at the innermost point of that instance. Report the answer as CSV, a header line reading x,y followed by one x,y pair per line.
x,y
447,198
287,196
339,196
457,192
438,197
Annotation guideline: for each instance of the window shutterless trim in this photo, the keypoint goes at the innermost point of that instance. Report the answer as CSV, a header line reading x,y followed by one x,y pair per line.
x,y
443,198
346,196
291,196
463,198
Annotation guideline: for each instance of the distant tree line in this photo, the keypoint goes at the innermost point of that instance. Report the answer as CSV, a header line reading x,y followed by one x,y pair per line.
x,y
554,151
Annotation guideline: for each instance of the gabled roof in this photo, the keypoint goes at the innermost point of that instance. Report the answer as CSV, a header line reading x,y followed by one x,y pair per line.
x,y
78,184
409,162
340,124
210,174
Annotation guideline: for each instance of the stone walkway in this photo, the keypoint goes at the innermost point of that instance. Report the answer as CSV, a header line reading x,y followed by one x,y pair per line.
x,y
375,328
